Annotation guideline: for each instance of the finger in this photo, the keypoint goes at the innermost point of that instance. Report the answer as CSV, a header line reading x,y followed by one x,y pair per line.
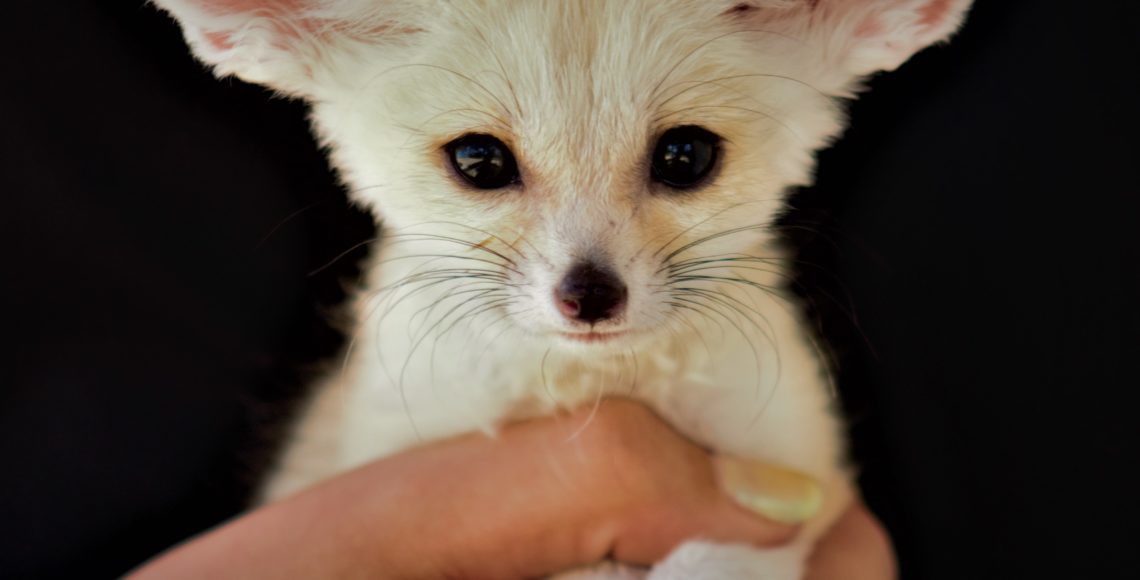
x,y
718,519
776,493
758,503
855,548
730,522
742,502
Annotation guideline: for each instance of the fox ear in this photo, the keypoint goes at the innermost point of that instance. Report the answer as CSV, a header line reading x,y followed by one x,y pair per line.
x,y
862,36
285,44
880,35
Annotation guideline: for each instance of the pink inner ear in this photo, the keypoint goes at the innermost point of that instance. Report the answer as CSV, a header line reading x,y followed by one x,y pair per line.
x,y
281,9
934,12
219,40
232,6
931,14
869,28
288,21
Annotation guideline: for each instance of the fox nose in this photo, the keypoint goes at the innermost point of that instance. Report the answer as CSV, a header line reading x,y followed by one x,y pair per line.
x,y
590,293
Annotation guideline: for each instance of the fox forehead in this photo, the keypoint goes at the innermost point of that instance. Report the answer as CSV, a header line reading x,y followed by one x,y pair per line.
x,y
579,90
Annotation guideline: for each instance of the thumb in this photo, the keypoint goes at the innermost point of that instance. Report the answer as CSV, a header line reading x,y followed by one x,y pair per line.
x,y
776,493
746,502
759,503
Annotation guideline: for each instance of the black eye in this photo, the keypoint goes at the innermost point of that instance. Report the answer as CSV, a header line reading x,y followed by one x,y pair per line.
x,y
684,156
483,161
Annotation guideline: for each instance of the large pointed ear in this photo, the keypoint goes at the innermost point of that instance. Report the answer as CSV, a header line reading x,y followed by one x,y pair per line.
x,y
287,44
861,37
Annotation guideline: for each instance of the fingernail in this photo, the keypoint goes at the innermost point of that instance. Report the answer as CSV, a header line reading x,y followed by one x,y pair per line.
x,y
777,493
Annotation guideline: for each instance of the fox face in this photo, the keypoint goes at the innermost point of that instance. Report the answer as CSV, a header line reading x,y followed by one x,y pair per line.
x,y
593,169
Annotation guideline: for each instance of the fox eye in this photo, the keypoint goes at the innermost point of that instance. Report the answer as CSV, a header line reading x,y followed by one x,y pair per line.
x,y
684,156
483,161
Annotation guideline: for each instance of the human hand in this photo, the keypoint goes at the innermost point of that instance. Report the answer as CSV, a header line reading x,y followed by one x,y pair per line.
x,y
543,496
855,548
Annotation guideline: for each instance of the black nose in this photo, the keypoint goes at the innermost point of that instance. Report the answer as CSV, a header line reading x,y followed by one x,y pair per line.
x,y
590,293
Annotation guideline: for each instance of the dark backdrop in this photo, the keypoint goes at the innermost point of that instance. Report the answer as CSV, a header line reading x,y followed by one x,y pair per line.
x,y
971,251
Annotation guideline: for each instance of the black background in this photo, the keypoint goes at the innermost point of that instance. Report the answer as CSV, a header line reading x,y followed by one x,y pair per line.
x,y
971,250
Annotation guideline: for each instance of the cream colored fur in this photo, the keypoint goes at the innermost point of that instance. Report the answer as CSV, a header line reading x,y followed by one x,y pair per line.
x,y
457,330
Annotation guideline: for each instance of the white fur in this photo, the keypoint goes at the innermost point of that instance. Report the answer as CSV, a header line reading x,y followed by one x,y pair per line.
x,y
579,90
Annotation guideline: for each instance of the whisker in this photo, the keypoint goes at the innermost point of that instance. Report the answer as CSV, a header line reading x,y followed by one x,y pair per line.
x,y
474,229
693,327
479,289
715,215
721,107
656,91
545,382
506,78
439,68
286,220
482,305
442,257
338,257
716,81
417,236
721,297
744,335
715,236
593,413
698,308
430,284
636,371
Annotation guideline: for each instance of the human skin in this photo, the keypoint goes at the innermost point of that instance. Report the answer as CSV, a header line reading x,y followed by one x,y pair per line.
x,y
534,500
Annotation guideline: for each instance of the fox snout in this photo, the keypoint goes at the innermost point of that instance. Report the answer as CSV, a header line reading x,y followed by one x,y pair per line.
x,y
590,293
